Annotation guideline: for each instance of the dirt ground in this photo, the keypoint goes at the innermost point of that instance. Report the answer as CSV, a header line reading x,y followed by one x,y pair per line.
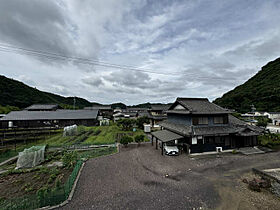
x,y
141,178
18,185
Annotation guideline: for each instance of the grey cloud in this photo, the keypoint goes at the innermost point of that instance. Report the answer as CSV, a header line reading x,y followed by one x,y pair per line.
x,y
132,79
93,81
260,47
34,24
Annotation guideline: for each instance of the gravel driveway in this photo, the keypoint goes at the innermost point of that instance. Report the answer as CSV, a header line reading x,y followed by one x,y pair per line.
x,y
141,178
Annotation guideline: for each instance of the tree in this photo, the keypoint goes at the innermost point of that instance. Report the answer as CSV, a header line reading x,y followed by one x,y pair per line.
x,y
141,120
126,124
125,140
139,139
262,121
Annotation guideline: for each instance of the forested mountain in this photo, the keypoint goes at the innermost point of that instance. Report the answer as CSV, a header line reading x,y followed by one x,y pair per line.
x,y
15,93
262,91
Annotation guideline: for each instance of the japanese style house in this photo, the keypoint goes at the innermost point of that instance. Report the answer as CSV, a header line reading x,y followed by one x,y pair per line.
x,y
197,125
157,113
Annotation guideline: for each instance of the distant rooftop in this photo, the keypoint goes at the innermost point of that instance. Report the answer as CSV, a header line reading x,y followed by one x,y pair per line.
x,y
99,107
39,107
163,107
60,114
136,109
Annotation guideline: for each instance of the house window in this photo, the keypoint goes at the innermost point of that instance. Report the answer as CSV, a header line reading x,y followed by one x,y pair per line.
x,y
221,120
218,120
200,120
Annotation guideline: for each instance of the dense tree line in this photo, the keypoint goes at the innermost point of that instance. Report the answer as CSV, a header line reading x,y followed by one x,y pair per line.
x,y
15,93
262,91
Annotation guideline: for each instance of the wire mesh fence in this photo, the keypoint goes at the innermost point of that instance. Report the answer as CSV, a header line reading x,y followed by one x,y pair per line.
x,y
44,197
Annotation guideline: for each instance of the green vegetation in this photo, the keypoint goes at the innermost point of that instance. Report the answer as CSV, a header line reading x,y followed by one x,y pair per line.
x,y
109,134
15,93
139,138
118,105
97,152
7,109
49,186
270,140
262,90
6,154
69,158
141,121
86,136
126,124
263,121
125,140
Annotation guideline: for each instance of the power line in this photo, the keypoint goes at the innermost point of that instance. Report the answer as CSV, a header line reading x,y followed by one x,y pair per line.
x,y
54,56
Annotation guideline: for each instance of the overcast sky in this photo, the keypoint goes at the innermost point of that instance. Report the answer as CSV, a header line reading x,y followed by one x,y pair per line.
x,y
200,48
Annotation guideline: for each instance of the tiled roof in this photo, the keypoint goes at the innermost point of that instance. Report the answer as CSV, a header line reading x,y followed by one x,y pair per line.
x,y
214,130
54,115
177,128
199,106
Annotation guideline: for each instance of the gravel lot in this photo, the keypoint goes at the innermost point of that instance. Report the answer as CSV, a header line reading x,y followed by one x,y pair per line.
x,y
141,178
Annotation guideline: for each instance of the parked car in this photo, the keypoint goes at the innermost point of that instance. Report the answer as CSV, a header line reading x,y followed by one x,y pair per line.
x,y
171,150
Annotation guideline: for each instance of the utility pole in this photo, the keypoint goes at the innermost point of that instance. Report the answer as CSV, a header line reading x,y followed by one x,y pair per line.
x,y
74,102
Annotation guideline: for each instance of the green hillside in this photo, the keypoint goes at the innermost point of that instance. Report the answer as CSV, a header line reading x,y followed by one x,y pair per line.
x,y
15,93
262,90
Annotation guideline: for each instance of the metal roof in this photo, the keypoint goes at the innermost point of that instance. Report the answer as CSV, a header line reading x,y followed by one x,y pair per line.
x,y
166,135
42,107
59,114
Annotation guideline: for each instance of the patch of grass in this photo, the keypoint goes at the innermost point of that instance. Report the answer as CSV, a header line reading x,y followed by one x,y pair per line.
x,y
7,154
107,135
97,152
270,140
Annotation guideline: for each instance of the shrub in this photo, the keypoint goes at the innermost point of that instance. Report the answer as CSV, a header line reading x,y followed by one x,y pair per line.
x,y
125,140
42,193
69,159
141,120
126,124
139,138
262,121
269,140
